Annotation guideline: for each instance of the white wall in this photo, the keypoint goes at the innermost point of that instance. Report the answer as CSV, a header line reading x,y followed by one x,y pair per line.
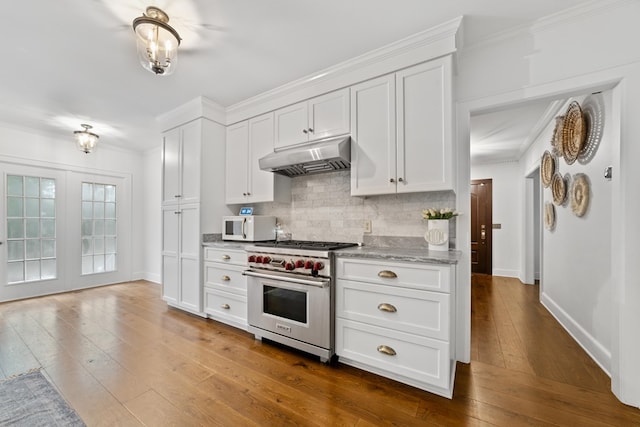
x,y
592,48
576,283
507,201
25,147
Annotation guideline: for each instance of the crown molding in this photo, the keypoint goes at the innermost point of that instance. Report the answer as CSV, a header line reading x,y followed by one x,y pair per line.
x,y
428,44
199,107
564,17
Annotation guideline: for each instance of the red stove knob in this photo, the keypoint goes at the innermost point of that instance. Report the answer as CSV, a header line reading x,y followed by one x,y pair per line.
x,y
259,259
289,266
299,263
308,264
266,260
318,266
252,258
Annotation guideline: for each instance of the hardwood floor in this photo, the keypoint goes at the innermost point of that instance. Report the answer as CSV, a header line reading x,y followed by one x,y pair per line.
x,y
120,356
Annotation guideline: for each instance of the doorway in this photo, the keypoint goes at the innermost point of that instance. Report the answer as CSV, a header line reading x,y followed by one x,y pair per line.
x,y
481,226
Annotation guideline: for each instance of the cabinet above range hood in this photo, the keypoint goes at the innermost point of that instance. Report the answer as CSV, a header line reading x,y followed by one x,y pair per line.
x,y
321,156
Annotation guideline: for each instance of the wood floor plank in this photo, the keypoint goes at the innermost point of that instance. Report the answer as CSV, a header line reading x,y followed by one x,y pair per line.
x,y
121,356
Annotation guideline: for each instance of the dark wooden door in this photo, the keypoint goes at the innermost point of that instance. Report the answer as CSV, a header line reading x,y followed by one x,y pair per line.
x,y
481,226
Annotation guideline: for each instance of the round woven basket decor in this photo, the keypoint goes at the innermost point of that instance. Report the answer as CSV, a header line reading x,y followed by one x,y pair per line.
x,y
558,189
556,139
549,216
574,132
579,193
547,168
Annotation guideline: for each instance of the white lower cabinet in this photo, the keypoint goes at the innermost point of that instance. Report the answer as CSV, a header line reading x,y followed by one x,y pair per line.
x,y
225,288
391,321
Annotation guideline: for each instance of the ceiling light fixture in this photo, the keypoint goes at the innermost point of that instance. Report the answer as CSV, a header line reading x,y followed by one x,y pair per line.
x,y
86,140
157,41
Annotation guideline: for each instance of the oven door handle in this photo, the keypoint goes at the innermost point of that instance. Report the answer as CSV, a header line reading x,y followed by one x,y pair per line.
x,y
320,283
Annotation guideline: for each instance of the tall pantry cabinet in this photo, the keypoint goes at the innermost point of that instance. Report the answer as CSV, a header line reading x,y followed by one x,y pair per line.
x,y
192,204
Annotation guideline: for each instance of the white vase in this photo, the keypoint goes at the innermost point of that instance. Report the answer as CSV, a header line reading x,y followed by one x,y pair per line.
x,y
437,234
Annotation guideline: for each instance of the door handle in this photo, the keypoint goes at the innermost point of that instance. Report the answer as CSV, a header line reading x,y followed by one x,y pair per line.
x,y
389,308
483,234
385,349
387,274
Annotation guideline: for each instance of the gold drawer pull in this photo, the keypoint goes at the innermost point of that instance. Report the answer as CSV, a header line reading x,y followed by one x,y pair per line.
x,y
387,274
389,308
226,257
225,306
384,349
226,278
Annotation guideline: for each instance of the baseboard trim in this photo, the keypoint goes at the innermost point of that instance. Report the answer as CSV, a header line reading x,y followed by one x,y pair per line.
x,y
594,349
506,273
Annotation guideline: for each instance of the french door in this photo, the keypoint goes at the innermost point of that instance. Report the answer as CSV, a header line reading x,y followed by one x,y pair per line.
x,y
61,230
32,201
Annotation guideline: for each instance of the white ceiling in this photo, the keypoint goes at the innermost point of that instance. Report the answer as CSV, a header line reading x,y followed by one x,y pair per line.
x,y
69,62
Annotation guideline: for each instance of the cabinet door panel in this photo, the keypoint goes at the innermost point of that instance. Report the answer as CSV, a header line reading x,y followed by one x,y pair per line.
x,y
191,144
417,358
171,167
170,250
329,115
424,143
237,153
422,313
261,134
289,125
373,152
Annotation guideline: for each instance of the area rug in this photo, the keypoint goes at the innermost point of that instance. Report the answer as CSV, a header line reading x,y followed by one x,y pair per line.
x,y
30,400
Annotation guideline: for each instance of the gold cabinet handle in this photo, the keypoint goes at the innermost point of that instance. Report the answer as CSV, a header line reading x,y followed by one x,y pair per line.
x,y
226,278
226,257
225,306
384,349
389,308
387,274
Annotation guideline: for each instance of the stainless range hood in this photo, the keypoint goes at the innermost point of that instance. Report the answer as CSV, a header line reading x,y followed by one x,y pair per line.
x,y
322,156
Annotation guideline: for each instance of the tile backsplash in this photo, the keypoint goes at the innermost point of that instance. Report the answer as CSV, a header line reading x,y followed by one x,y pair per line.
x,y
322,208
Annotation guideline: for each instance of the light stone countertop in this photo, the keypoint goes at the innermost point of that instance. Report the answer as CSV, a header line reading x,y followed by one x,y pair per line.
x,y
401,254
227,245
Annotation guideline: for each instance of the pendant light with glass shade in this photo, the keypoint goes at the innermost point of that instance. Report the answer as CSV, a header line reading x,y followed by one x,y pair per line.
x,y
157,41
85,140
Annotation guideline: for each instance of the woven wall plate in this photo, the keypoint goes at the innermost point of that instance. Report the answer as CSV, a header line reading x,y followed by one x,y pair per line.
x,y
579,194
556,139
558,189
574,132
547,168
549,216
593,110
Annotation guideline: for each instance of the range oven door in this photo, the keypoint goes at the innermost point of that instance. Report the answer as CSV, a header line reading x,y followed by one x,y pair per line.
x,y
291,307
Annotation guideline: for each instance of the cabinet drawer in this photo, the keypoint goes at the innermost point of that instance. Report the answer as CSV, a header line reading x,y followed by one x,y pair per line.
x,y
226,307
225,256
410,275
225,278
418,358
414,311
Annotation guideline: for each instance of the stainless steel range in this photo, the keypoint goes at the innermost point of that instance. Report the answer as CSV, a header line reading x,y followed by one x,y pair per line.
x,y
290,294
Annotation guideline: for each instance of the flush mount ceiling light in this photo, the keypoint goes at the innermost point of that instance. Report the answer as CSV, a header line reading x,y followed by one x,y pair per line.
x,y
157,41
85,140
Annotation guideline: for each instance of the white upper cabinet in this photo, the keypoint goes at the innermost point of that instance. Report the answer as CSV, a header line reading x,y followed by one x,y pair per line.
x,y
401,131
317,118
373,136
424,127
247,142
181,164
237,153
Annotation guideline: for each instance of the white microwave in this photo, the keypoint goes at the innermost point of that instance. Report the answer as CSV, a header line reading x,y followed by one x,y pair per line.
x,y
249,228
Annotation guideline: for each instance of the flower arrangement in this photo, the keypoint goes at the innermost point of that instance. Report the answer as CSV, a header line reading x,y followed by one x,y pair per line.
x,y
445,213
